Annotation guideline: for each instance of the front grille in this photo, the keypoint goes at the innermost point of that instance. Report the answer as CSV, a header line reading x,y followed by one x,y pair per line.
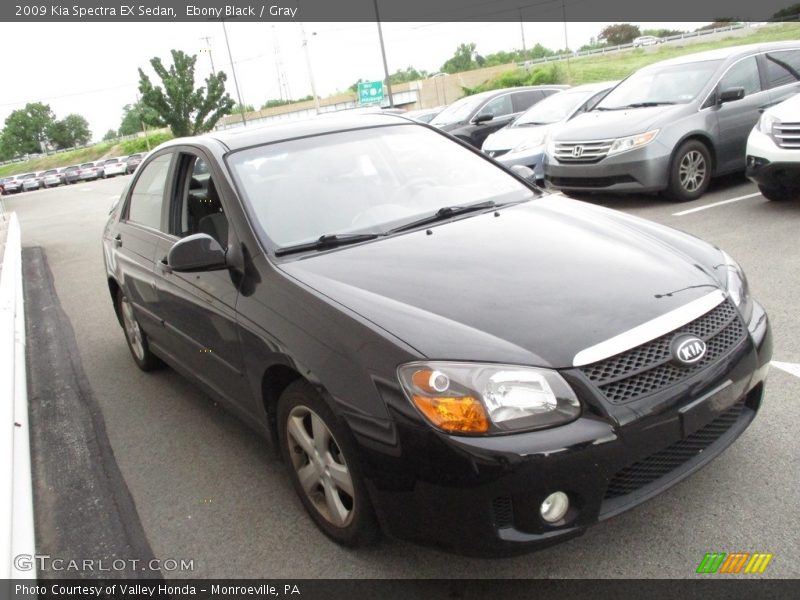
x,y
497,153
787,135
582,152
502,511
664,462
648,368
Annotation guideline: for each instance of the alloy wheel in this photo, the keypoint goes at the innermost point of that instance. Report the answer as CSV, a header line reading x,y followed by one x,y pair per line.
x,y
692,170
132,330
320,466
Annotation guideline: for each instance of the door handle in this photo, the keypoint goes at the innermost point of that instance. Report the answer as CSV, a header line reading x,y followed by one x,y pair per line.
x,y
118,241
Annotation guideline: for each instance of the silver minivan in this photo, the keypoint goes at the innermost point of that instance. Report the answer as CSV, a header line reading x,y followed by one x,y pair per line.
x,y
673,125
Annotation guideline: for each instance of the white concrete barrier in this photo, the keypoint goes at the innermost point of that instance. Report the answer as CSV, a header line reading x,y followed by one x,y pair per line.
x,y
16,497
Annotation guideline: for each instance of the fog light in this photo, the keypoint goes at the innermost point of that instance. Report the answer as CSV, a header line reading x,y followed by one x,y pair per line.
x,y
554,507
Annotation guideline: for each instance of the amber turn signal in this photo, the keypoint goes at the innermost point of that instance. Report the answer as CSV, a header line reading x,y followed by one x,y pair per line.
x,y
462,414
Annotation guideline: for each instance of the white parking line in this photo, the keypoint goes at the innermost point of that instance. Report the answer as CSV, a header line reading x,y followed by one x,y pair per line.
x,y
788,367
713,204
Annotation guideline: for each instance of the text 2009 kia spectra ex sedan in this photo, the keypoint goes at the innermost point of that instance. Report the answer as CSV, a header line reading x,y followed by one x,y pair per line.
x,y
437,350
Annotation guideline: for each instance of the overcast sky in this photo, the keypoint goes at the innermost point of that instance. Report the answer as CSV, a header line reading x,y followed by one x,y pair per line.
x,y
91,68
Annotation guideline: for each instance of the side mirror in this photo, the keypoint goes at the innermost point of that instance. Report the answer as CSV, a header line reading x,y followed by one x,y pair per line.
x,y
522,171
483,118
198,252
731,94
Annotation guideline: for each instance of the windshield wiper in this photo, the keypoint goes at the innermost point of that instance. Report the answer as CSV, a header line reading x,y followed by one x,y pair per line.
x,y
444,213
329,240
530,123
634,105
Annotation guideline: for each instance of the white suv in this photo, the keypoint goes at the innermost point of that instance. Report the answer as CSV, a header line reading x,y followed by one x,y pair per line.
x,y
773,151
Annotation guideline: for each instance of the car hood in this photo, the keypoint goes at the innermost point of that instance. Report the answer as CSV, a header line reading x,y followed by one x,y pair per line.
x,y
511,137
788,110
532,284
609,124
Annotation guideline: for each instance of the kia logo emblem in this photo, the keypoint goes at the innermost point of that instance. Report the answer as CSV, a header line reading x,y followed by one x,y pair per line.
x,y
688,349
577,151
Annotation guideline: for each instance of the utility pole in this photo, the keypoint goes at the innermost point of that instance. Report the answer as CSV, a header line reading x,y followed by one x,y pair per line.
x,y
383,54
233,71
566,40
308,65
208,49
522,30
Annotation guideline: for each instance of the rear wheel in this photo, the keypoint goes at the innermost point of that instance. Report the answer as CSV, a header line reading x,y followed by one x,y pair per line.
x,y
778,194
135,336
690,172
323,468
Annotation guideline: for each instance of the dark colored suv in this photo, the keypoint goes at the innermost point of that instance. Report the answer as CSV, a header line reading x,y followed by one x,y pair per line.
x,y
435,347
473,118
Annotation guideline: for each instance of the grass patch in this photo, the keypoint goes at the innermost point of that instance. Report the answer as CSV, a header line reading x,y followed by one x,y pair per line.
x,y
82,155
141,144
618,65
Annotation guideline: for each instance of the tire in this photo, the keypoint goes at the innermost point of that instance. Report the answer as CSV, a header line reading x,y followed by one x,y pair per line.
x,y
135,337
689,172
778,194
318,449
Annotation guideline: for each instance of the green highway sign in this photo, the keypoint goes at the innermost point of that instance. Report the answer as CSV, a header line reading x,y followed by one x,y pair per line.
x,y
370,92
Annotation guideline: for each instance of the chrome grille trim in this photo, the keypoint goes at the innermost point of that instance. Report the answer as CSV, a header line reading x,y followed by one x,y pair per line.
x,y
590,151
650,330
787,135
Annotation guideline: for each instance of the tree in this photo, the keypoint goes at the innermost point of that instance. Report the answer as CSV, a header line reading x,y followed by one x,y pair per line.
x,y
662,33
186,110
621,33
789,11
26,129
462,60
72,130
134,115
110,135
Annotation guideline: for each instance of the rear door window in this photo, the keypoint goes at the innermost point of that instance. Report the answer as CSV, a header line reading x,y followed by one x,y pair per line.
x,y
783,67
147,196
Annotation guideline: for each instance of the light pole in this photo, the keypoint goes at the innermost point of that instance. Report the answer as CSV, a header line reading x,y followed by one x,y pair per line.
x,y
383,54
308,66
208,49
233,71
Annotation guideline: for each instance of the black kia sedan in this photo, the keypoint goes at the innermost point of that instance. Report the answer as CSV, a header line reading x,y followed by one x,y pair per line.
x,y
436,349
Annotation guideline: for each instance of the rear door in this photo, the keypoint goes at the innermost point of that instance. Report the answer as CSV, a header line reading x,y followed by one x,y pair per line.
x,y
198,309
138,235
737,118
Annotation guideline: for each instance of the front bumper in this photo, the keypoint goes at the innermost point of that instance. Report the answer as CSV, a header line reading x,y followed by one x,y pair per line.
x,y
771,166
481,495
644,169
530,158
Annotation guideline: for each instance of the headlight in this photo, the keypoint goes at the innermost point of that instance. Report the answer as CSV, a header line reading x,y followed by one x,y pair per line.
x,y
633,141
737,287
482,398
766,123
532,142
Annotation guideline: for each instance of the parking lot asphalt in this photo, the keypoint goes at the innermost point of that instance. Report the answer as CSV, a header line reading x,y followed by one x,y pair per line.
x,y
208,489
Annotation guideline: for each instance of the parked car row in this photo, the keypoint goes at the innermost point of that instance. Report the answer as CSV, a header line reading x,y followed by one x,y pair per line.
x,y
667,128
88,171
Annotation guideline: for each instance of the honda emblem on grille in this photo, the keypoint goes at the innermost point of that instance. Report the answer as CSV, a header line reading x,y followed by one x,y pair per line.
x,y
577,151
688,349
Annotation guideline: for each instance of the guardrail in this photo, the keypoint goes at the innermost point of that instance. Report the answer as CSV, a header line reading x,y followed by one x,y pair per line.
x,y
16,497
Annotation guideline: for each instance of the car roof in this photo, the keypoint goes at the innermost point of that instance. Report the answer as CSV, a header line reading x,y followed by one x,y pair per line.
x,y
245,137
592,87
732,52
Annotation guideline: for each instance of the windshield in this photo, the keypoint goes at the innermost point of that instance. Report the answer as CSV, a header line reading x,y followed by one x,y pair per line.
x,y
673,84
552,109
458,111
364,181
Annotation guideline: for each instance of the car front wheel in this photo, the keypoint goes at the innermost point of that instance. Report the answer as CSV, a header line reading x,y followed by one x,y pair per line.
x,y
322,466
690,172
